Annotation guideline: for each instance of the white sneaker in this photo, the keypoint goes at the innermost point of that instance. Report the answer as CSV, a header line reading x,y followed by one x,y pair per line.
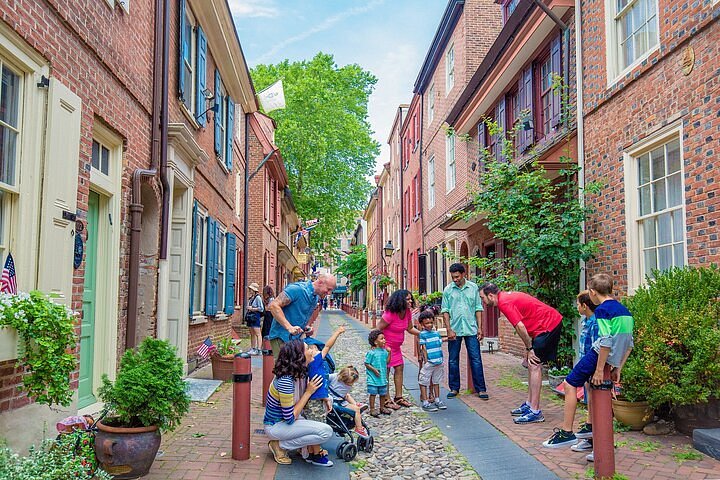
x,y
439,404
304,453
583,446
590,457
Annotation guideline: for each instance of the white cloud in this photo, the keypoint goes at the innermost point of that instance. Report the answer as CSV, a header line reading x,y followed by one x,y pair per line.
x,y
253,8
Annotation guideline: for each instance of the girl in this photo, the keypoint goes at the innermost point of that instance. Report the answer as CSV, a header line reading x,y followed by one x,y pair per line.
x,y
376,360
340,385
255,311
268,296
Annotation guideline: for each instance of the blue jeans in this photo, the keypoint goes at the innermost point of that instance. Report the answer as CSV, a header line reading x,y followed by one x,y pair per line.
x,y
473,349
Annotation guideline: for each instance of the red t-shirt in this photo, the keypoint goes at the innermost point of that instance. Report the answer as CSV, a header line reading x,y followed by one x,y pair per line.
x,y
537,317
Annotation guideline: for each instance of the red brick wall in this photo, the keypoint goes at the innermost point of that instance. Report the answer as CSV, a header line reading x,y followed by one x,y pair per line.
x,y
413,234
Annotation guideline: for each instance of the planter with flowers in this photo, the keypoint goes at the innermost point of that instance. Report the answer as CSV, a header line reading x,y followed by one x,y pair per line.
x,y
223,358
556,375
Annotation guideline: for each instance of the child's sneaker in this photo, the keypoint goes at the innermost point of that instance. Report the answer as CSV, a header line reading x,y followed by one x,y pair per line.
x,y
584,446
560,439
429,407
590,457
319,460
530,417
362,431
521,410
585,431
439,404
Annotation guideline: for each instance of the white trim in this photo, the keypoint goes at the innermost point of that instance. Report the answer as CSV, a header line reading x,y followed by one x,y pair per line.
x,y
449,67
431,182
450,140
431,104
201,212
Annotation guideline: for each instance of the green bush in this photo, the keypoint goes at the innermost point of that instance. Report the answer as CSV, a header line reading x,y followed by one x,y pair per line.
x,y
53,460
149,388
676,359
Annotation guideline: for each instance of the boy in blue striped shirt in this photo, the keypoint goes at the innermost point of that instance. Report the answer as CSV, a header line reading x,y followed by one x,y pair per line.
x,y
431,359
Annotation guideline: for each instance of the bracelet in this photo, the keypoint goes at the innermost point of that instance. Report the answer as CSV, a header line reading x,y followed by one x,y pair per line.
x,y
528,348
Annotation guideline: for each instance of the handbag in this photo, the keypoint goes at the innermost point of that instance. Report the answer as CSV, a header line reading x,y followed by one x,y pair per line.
x,y
251,317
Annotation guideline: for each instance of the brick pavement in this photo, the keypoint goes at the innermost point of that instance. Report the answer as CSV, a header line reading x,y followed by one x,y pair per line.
x,y
188,456
630,459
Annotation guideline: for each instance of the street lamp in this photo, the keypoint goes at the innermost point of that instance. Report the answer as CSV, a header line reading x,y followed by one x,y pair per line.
x,y
389,249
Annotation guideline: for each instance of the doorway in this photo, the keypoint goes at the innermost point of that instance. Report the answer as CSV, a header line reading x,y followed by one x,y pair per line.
x,y
89,305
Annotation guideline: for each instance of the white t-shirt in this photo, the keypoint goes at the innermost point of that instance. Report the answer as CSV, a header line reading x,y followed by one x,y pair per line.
x,y
338,390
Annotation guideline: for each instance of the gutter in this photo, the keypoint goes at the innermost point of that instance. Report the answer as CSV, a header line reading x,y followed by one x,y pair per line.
x,y
245,215
580,125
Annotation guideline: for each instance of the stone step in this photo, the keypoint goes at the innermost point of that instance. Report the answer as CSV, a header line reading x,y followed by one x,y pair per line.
x,y
707,440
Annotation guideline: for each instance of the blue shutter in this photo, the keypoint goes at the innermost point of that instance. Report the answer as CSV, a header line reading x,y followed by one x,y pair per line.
x,y
556,65
201,76
181,52
218,252
230,243
192,255
210,293
218,115
229,132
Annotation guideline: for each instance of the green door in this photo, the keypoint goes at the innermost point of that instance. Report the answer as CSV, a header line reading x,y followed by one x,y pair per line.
x,y
87,333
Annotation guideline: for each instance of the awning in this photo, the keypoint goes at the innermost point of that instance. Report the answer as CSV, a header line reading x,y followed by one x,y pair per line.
x,y
286,257
457,222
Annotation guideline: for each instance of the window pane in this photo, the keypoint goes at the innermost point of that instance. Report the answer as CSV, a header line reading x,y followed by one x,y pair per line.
x,y
678,226
679,252
10,98
4,199
673,156
659,196
665,260
645,205
658,163
644,169
104,166
674,190
664,229
197,285
648,227
8,155
650,261
95,160
199,239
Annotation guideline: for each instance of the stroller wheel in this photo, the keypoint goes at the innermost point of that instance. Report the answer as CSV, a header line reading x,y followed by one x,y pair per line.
x,y
349,452
369,444
361,443
340,448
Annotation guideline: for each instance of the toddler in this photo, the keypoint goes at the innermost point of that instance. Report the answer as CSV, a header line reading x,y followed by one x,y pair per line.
x,y
376,362
431,359
340,385
320,403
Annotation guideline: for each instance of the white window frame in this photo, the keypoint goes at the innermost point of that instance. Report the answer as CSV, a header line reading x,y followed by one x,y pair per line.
x,y
202,216
450,170
191,108
635,260
222,278
431,104
223,126
431,182
449,69
615,71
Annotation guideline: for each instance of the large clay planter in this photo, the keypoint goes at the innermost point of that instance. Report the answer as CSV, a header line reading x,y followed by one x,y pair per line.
x,y
700,415
633,414
126,452
222,367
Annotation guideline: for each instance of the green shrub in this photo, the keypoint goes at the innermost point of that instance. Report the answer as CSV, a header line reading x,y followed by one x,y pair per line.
x,y
676,359
225,346
149,389
53,460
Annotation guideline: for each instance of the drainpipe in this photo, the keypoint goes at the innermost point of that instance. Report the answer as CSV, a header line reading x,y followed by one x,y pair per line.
x,y
162,14
402,207
245,215
165,213
580,115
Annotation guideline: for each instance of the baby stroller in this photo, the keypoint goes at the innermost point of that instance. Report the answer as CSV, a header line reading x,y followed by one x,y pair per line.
x,y
342,422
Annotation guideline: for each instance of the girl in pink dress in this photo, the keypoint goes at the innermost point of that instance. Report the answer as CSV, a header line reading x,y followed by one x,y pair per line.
x,y
396,320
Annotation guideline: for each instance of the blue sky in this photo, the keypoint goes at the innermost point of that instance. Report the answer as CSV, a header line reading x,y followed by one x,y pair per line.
x,y
387,37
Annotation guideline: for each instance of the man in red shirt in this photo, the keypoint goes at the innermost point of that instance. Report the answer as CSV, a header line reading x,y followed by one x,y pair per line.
x,y
538,325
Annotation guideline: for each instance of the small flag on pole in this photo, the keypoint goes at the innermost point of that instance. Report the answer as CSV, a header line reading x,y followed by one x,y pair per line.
x,y
273,97
8,282
206,348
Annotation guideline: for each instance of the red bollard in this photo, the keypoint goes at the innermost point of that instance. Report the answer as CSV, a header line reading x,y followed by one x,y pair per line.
x,y
602,415
242,378
374,319
268,365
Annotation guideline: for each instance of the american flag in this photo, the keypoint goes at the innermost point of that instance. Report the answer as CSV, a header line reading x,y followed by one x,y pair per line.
x,y
206,348
8,283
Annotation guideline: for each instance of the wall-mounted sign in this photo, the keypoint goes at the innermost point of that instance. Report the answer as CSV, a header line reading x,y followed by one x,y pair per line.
x,y
78,251
688,60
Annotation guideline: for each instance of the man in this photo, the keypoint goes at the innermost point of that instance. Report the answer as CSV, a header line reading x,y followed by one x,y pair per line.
x,y
462,313
538,325
292,308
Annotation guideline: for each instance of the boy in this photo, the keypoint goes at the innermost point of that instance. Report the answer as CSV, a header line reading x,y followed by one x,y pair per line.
x,y
320,403
376,362
615,330
431,359
588,335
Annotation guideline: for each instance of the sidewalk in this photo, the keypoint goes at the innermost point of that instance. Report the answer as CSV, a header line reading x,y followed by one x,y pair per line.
x,y
503,377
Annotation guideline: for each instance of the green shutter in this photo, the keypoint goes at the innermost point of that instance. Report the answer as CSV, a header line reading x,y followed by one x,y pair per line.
x,y
218,115
200,78
229,132
181,52
192,255
230,274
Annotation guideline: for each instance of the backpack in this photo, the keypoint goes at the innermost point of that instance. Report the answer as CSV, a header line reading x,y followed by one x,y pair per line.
x,y
328,362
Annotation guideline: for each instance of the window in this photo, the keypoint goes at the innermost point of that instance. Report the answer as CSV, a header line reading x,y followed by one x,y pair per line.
x,y
100,159
273,202
189,60
221,121
634,32
449,69
546,96
224,124
407,208
199,236
450,162
431,104
510,7
10,125
416,131
431,182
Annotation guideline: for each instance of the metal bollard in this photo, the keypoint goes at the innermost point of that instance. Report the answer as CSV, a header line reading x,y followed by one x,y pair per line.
x,y
268,365
602,415
242,381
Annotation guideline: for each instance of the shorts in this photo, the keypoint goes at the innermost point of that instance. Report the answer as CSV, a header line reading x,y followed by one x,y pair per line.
x,y
253,321
377,390
583,370
545,345
314,410
431,374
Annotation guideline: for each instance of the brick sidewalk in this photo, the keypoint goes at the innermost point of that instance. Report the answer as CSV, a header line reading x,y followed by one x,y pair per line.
x,y
200,448
630,459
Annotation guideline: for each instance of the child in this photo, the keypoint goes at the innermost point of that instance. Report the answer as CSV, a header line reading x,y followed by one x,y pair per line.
x,y
615,330
340,385
376,362
320,403
588,335
431,359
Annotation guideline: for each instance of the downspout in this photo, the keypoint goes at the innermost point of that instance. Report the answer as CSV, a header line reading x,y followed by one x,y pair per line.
x,y
165,213
580,114
136,206
402,207
245,215
566,38
420,197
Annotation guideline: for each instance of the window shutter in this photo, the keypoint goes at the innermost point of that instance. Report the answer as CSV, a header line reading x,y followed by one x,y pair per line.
x,y
192,255
218,115
201,76
422,273
230,274
216,269
555,62
210,273
229,132
526,103
500,119
181,52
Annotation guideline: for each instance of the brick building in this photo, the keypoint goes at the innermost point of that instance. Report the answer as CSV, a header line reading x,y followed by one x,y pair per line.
x,y
393,208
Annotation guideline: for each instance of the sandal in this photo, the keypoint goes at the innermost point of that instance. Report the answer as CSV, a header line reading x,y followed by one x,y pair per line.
x,y
375,412
280,455
391,404
402,402
385,411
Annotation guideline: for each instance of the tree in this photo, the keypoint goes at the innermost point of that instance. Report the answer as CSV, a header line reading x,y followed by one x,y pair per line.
x,y
325,139
354,267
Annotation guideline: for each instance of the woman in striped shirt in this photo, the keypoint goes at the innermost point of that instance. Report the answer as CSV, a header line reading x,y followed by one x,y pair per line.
x,y
282,415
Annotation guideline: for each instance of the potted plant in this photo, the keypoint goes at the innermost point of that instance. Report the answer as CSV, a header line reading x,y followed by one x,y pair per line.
x,y
384,281
556,375
630,406
147,397
222,359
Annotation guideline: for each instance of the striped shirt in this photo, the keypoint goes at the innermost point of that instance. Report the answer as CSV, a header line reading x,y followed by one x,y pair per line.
x,y
615,330
433,345
280,402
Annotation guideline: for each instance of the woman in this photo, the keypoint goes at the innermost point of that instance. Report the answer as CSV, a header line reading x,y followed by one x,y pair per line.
x,y
282,414
396,320
268,296
255,312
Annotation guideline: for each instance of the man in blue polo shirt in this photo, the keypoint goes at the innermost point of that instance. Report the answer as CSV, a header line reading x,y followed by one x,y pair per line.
x,y
292,308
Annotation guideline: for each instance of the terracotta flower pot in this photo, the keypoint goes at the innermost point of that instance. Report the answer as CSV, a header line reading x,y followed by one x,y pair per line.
x,y
126,452
633,414
222,367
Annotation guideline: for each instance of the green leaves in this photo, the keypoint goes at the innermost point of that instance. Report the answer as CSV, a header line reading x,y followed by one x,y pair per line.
x,y
354,267
325,139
